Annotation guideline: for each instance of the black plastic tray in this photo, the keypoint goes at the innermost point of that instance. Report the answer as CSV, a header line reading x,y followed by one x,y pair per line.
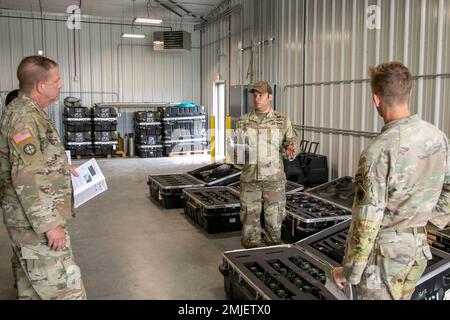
x,y
217,174
340,191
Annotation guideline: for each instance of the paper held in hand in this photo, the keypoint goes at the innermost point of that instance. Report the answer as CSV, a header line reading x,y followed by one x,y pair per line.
x,y
90,183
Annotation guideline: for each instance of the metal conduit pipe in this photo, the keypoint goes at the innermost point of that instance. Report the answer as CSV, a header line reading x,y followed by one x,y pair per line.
x,y
337,131
88,22
168,8
222,15
185,10
358,81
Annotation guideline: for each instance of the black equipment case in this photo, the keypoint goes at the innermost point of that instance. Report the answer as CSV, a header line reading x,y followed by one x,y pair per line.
x,y
297,271
168,189
317,209
291,187
214,209
329,245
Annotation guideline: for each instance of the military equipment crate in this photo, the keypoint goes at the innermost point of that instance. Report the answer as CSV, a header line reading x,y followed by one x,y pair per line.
x,y
308,214
171,147
214,209
147,151
105,136
217,174
177,112
329,245
340,191
147,116
79,149
104,148
104,112
149,140
99,124
77,125
77,112
78,136
188,128
167,190
273,273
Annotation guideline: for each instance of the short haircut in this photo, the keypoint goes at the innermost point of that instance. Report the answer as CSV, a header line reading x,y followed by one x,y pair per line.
x,y
33,69
391,81
11,96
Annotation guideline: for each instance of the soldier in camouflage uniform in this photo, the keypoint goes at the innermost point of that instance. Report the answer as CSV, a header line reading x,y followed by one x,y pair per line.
x,y
36,192
402,183
270,137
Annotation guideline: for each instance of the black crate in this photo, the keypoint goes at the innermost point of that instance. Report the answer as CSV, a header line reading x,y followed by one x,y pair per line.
x,y
79,125
173,111
217,174
148,130
340,191
72,102
147,116
104,149
77,112
184,129
149,140
329,245
104,136
150,151
168,189
104,125
79,149
78,136
274,273
184,146
214,209
104,112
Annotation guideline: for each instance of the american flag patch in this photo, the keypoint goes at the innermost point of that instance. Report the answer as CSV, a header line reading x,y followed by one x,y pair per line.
x,y
22,136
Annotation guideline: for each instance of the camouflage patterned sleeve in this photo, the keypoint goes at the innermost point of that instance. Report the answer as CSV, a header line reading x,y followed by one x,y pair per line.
x,y
291,138
232,157
368,210
29,177
441,213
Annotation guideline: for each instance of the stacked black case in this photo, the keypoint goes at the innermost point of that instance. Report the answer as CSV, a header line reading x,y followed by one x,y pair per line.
x,y
77,127
184,129
104,130
148,134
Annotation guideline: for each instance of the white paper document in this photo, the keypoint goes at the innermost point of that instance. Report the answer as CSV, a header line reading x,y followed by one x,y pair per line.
x,y
90,183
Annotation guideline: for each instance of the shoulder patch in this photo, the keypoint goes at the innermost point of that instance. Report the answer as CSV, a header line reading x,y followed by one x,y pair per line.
x,y
21,136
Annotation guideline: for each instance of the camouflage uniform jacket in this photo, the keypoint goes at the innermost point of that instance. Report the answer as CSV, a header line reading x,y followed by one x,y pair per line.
x,y
36,192
267,140
402,182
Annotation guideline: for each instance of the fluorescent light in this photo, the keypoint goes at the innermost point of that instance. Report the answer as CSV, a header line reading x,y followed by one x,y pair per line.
x,y
132,35
149,21
158,42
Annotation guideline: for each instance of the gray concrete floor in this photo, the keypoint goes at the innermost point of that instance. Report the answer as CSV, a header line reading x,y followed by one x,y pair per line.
x,y
130,248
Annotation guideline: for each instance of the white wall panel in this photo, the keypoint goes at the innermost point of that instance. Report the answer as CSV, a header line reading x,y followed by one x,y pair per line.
x,y
97,64
338,46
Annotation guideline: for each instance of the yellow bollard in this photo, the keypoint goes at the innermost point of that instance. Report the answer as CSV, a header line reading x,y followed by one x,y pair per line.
x,y
212,128
227,137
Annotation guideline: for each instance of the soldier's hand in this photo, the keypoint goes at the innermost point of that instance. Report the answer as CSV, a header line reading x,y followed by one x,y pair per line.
x,y
290,150
339,277
56,238
73,170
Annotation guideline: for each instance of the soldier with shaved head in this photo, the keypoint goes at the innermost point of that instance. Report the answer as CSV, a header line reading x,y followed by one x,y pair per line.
x,y
36,192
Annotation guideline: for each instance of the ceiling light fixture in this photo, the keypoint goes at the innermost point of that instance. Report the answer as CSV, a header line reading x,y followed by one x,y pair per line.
x,y
132,35
148,21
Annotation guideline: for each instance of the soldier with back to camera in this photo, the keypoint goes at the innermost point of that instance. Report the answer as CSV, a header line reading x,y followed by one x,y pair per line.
x,y
402,183
36,191
270,137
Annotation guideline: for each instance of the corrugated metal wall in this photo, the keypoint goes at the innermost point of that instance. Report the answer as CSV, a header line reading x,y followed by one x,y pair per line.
x,y
319,41
104,67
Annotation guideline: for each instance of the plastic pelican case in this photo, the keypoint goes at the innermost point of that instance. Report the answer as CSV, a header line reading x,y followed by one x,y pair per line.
x,y
297,271
217,174
340,191
214,209
168,189
329,245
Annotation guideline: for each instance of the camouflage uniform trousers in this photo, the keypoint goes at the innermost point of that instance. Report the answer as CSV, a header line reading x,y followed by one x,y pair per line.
x,y
44,274
394,268
255,195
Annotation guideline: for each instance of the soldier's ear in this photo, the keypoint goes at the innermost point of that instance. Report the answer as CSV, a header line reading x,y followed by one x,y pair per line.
x,y
376,99
39,86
